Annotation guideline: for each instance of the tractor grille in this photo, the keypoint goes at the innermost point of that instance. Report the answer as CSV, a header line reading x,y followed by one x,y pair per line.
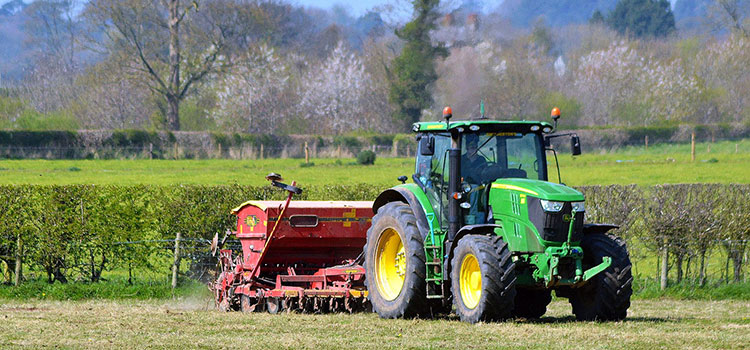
x,y
553,226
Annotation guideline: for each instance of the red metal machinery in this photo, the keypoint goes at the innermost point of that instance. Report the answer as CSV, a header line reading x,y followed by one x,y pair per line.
x,y
296,255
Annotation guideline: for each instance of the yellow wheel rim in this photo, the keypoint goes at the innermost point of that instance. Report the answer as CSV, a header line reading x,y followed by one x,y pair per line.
x,y
390,264
470,281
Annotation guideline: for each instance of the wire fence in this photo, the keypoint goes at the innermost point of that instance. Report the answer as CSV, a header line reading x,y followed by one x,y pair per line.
x,y
724,261
261,151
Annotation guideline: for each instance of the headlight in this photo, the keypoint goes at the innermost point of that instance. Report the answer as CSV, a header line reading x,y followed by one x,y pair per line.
x,y
551,205
578,207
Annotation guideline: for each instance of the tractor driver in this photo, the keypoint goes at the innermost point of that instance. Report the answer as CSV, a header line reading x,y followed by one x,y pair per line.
x,y
472,163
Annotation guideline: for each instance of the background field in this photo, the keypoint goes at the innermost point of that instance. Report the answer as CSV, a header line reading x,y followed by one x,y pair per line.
x,y
721,162
664,324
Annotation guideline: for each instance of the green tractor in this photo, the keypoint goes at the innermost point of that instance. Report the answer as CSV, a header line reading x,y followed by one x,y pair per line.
x,y
482,226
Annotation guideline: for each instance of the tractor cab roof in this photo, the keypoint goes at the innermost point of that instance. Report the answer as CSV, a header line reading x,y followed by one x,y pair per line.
x,y
461,126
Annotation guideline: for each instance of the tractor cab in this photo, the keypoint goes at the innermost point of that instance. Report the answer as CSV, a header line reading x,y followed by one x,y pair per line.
x,y
489,151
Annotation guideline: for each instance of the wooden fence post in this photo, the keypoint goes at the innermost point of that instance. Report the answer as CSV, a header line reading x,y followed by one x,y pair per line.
x,y
176,265
261,151
692,147
664,268
307,153
19,261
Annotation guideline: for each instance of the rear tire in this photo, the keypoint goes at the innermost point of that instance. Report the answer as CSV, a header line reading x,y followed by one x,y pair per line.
x,y
247,304
483,279
606,297
531,303
395,263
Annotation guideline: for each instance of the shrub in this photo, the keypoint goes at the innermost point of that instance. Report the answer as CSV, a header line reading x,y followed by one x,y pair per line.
x,y
366,157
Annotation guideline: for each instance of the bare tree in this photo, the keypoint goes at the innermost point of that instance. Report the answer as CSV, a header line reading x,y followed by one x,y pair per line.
x,y
733,15
169,44
52,30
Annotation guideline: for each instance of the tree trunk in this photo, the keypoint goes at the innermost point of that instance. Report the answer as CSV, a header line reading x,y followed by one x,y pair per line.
x,y
664,267
58,273
737,255
173,98
173,113
726,267
702,272
19,261
737,261
678,265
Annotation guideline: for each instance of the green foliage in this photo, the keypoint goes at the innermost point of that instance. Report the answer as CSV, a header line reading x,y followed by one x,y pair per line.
x,y
10,110
351,143
366,157
15,114
413,72
32,120
642,18
111,289
195,117
38,138
648,288
597,17
570,108
542,38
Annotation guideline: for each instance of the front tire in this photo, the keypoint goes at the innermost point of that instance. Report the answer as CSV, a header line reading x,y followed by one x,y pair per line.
x,y
395,263
606,297
483,279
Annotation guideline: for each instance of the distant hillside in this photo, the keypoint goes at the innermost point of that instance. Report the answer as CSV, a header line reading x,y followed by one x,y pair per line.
x,y
556,12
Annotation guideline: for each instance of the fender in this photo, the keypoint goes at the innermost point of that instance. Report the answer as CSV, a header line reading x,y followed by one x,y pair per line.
x,y
483,229
405,194
595,229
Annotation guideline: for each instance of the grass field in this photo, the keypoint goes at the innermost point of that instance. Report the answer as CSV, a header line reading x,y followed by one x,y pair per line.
x,y
726,162
664,324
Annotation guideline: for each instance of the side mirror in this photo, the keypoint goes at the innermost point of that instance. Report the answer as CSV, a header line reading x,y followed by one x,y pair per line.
x,y
427,145
575,145
402,178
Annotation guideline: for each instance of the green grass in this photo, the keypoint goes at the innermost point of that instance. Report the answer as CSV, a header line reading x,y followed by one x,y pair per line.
x,y
118,289
667,163
111,289
193,323
209,172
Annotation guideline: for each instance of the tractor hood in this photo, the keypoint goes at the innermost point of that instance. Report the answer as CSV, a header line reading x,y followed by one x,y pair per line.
x,y
539,189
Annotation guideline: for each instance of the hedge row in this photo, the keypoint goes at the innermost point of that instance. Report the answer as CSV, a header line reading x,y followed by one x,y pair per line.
x,y
598,139
681,223
78,231
107,144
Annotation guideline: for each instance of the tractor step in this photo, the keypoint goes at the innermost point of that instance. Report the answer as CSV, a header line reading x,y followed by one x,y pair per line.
x,y
435,287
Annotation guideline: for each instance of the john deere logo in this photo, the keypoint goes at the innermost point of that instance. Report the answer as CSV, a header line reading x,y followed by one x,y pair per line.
x,y
566,217
251,221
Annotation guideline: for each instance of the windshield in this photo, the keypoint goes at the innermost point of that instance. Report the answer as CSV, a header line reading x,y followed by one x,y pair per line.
x,y
487,157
